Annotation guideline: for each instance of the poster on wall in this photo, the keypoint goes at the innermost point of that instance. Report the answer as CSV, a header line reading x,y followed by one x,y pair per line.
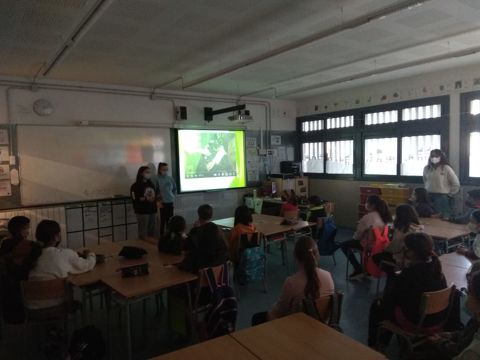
x,y
251,142
4,172
276,140
5,188
4,154
3,137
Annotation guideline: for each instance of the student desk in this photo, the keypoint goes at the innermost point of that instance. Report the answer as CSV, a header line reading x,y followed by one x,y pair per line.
x,y
299,336
127,291
444,231
455,268
221,348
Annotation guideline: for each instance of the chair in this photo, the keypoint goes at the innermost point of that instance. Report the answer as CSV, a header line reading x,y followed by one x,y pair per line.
x,y
434,302
326,309
252,264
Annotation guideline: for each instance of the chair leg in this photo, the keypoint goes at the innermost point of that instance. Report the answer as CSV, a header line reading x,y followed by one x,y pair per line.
x,y
90,300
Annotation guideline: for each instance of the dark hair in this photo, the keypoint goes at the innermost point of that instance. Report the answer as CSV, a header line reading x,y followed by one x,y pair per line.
x,y
293,197
140,172
243,215
177,224
205,212
474,282
476,216
160,165
421,195
381,207
306,254
474,194
421,245
405,215
17,224
211,244
46,231
315,200
437,153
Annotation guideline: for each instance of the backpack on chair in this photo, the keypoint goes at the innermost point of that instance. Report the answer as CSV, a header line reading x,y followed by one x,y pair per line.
x,y
222,317
251,266
375,243
326,238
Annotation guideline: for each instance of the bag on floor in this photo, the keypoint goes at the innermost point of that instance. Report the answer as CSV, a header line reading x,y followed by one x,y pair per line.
x,y
251,266
87,343
375,243
222,317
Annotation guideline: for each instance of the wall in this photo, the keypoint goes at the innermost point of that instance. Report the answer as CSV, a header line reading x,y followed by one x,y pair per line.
x,y
452,82
73,105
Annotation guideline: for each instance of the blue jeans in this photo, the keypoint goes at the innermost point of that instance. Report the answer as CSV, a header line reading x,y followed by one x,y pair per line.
x,y
442,203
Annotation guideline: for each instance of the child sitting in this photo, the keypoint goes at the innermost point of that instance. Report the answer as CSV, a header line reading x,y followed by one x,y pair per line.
x,y
474,227
472,203
419,200
173,241
243,225
290,203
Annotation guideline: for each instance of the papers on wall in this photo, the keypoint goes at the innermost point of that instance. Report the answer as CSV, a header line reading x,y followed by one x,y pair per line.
x,y
251,142
3,137
90,219
275,140
4,154
282,153
290,153
5,188
4,172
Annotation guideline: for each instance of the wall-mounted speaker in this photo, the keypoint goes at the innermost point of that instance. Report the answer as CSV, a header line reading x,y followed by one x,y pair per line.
x,y
181,113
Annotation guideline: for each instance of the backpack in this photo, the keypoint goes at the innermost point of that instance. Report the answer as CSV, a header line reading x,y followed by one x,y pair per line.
x,y
326,239
222,317
87,343
251,266
375,243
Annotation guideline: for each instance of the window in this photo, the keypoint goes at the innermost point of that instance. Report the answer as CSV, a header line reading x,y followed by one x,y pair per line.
x,y
422,112
384,117
339,157
474,152
415,153
381,156
470,138
339,122
313,158
389,142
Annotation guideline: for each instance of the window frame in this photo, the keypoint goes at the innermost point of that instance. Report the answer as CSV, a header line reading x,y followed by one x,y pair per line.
x,y
468,124
360,132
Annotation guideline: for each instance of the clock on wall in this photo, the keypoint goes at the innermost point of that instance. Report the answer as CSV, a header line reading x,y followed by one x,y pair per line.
x,y
42,107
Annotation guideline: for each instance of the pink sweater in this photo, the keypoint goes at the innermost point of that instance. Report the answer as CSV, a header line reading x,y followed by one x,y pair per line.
x,y
293,292
372,219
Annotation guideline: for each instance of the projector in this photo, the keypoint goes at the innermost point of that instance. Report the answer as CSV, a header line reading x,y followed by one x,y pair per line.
x,y
241,116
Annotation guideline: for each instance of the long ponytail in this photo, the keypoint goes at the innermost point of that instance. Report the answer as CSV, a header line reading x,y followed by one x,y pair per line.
x,y
306,253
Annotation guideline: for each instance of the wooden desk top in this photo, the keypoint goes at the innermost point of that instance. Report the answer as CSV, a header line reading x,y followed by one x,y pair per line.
x,y
444,230
159,278
113,262
299,336
267,224
220,348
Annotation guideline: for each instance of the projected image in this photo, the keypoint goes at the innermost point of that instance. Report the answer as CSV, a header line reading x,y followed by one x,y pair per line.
x,y
211,159
214,156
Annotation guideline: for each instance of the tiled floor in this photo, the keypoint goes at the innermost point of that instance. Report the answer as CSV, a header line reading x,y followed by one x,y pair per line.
x,y
153,341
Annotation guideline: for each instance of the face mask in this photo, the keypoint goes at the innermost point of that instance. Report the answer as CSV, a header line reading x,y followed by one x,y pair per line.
x,y
435,160
413,199
472,227
147,176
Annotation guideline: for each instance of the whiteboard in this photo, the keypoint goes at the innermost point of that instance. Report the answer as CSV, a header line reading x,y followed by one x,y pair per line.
x,y
60,164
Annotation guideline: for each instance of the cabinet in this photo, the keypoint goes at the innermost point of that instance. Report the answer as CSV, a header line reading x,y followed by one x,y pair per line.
x,y
393,194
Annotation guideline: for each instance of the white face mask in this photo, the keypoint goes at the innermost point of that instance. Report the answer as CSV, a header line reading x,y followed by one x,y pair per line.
x,y
472,227
147,176
435,160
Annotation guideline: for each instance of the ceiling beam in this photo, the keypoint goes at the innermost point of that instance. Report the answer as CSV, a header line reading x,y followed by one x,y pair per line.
x,y
350,24
387,69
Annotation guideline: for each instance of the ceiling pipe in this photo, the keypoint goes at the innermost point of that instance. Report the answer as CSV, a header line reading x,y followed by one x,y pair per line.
x,y
81,30
351,24
367,74
278,84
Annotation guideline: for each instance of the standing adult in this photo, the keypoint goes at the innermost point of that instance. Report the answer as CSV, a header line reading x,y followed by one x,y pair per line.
x,y
441,183
144,198
168,192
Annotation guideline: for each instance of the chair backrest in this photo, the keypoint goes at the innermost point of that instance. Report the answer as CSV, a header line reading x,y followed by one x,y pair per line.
x,y
435,302
327,309
202,275
41,290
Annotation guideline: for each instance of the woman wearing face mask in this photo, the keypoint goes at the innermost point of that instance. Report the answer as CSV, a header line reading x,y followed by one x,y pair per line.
x,y
168,192
441,183
144,197
474,226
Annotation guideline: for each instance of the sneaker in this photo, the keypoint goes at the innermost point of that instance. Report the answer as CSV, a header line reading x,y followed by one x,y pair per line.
x,y
356,276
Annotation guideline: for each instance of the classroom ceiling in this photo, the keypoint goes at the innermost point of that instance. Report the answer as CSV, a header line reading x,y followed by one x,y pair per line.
x,y
283,48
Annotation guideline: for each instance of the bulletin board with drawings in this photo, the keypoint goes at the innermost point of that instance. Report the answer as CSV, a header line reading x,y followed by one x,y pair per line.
x,y
91,223
9,181
283,144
